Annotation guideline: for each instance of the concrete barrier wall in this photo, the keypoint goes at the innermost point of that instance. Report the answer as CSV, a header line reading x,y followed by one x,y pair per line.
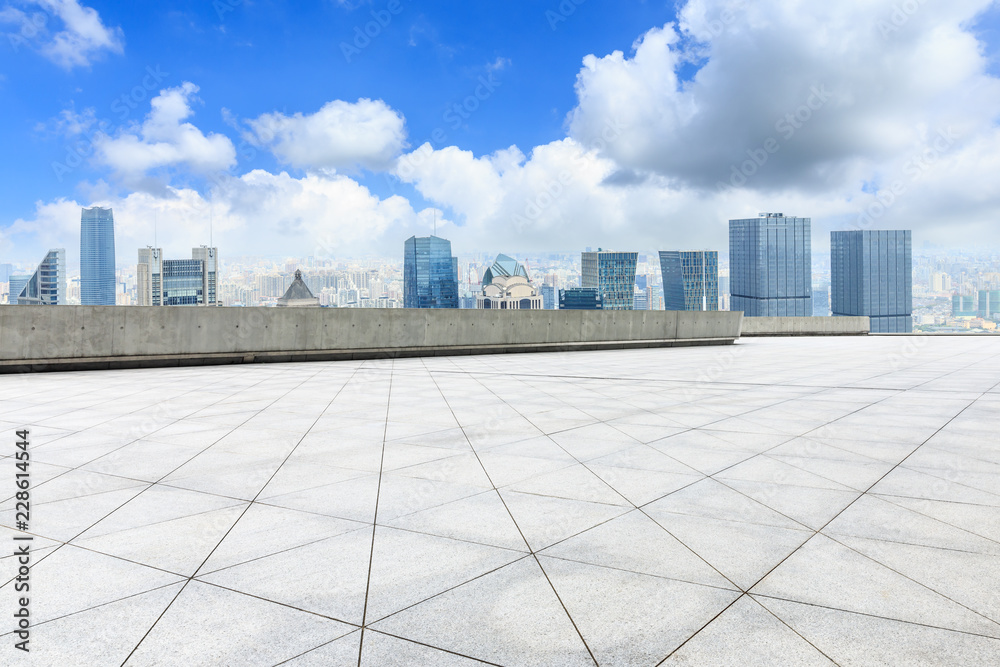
x,y
78,337
806,326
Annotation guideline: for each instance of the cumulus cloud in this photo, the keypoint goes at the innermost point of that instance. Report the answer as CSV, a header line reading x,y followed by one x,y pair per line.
x,y
165,140
826,90
66,32
341,135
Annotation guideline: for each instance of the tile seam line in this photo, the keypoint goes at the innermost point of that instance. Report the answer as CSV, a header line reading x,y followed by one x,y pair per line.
x,y
378,494
191,578
502,500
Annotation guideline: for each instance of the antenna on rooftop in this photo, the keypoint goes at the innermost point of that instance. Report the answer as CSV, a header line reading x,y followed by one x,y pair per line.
x,y
435,222
155,215
211,224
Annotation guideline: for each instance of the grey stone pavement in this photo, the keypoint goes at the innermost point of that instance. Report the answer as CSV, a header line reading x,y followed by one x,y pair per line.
x,y
809,501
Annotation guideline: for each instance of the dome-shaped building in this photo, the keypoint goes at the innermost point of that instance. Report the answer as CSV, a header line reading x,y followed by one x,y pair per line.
x,y
506,286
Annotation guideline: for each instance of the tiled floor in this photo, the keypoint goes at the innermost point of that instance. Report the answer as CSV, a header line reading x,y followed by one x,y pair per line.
x,y
780,502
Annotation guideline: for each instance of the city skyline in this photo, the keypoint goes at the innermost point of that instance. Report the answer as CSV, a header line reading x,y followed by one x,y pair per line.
x,y
596,144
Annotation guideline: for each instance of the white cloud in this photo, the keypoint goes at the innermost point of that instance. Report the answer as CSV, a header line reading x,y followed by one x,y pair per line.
x,y
341,135
835,94
164,140
66,32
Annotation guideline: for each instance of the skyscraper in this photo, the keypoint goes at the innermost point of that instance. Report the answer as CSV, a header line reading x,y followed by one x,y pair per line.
x,y
16,285
210,265
149,277
871,273
97,257
690,279
430,273
989,303
771,265
47,285
612,274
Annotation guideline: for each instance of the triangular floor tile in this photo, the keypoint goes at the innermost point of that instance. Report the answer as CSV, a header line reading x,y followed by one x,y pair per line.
x,y
632,619
480,518
860,639
408,568
829,574
810,506
340,563
382,650
199,629
508,617
742,552
544,521
746,634
636,543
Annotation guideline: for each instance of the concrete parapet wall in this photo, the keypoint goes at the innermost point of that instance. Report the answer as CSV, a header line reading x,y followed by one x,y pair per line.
x,y
82,337
806,326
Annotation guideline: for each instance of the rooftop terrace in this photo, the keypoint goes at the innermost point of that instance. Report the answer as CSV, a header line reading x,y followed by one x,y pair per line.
x,y
806,501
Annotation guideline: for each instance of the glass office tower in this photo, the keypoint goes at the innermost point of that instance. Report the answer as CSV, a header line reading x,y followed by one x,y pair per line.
x,y
872,275
47,285
612,274
430,273
183,282
770,270
210,262
989,303
690,279
97,257
580,298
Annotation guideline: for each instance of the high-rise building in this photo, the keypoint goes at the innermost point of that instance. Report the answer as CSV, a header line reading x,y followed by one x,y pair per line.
x,y
506,286
548,297
5,270
771,265
580,298
430,273
210,264
16,286
97,257
989,304
612,274
963,306
149,277
47,285
690,279
177,282
940,282
871,274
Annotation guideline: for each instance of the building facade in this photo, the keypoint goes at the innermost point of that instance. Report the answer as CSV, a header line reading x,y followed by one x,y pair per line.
x,y
612,274
963,306
97,257
771,265
580,298
989,304
16,286
690,279
549,297
177,282
47,285
871,273
506,286
430,273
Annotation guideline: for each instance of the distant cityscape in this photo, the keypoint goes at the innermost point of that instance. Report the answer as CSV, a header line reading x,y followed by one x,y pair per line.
x,y
768,271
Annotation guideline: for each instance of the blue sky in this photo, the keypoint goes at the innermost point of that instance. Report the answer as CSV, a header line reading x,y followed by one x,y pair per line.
x,y
597,122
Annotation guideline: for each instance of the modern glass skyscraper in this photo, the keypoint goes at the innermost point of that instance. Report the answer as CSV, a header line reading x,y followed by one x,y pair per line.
x,y
770,265
871,273
989,303
430,273
613,275
47,285
16,285
690,279
210,262
97,257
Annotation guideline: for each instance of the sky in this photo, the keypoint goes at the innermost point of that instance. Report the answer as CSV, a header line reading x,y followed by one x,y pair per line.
x,y
339,128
